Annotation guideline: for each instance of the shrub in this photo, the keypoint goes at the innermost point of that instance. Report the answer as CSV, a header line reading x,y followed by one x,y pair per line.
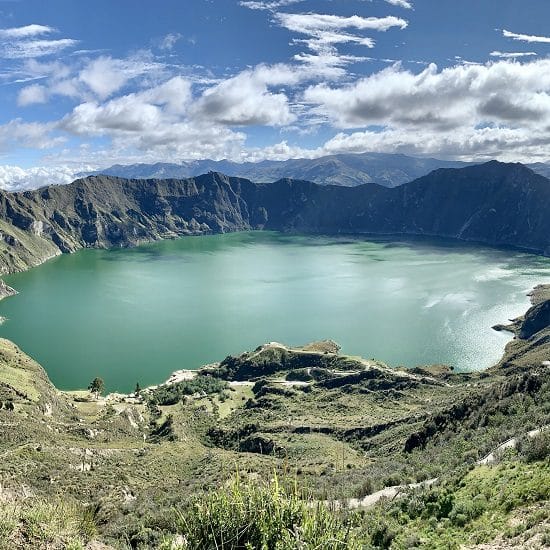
x,y
537,447
299,375
174,393
261,516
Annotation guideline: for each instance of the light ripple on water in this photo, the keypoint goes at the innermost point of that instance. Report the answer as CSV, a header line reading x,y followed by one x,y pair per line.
x,y
137,315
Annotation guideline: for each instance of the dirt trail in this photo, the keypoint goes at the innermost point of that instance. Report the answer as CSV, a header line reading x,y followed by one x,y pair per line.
x,y
391,492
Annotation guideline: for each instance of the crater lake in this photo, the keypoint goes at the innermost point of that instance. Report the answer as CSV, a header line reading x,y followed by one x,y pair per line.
x,y
136,315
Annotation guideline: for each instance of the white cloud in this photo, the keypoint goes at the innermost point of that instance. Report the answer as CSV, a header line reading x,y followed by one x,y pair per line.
x,y
24,32
35,93
273,5
106,75
123,114
14,178
43,69
157,123
34,48
462,96
526,37
245,100
506,144
400,3
279,151
169,41
311,23
511,55
35,135
137,112
325,39
22,42
324,32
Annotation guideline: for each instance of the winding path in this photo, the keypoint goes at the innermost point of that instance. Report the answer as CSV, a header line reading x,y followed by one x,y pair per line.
x,y
392,491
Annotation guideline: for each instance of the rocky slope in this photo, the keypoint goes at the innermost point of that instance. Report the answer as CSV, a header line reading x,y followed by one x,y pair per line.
x,y
494,203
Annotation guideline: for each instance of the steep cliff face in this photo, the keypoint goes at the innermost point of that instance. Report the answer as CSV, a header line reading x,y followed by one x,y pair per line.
x,y
106,212
500,204
494,203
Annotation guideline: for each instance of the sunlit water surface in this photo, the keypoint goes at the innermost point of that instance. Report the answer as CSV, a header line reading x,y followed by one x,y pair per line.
x,y
138,314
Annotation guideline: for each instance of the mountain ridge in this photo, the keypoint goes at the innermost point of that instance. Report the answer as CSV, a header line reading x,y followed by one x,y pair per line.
x,y
493,203
345,169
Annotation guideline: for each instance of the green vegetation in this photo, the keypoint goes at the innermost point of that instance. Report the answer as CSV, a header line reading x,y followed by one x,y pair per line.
x,y
174,393
97,386
157,470
509,499
262,516
53,524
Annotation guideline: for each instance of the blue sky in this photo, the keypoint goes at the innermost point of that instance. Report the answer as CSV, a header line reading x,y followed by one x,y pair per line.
x,y
89,84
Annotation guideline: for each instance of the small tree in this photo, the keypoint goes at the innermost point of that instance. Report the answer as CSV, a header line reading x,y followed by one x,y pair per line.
x,y
97,386
137,391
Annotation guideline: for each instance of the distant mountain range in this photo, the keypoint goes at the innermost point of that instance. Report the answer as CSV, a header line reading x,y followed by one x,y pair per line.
x,y
493,203
349,170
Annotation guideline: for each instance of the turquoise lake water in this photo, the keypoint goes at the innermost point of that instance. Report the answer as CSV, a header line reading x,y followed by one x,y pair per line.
x,y
136,315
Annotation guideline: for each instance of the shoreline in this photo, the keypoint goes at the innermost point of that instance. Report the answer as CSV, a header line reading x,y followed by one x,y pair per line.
x,y
538,295
391,237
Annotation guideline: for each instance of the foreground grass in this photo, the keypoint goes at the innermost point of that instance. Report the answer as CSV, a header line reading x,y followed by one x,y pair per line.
x,y
45,524
507,503
268,516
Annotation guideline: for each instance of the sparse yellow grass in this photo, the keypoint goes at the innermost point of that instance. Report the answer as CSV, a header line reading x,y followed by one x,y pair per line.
x,y
238,395
18,370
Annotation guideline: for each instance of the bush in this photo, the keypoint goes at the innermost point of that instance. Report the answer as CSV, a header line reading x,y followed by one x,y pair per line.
x,y
45,524
537,447
170,395
261,516
299,375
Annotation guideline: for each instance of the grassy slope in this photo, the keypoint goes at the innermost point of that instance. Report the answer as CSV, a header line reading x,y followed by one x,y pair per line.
x,y
129,464
20,249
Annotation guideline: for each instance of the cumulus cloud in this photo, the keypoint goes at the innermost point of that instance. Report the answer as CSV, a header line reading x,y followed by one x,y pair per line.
x,y
136,112
106,75
14,178
35,93
159,122
245,100
464,95
526,37
506,144
17,133
278,151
